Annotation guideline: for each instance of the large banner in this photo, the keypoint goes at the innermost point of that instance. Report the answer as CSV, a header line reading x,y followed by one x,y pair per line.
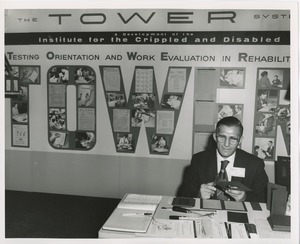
x,y
147,81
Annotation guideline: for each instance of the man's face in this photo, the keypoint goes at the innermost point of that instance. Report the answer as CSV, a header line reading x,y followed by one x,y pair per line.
x,y
228,138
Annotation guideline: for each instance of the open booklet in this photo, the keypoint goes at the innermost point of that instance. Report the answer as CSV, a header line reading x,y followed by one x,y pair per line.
x,y
133,214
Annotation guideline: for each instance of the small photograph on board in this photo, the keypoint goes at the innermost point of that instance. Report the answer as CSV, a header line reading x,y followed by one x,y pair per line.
x,y
232,77
283,118
172,101
270,78
86,96
14,71
84,74
20,136
58,74
16,87
12,86
143,100
226,110
23,93
57,119
19,112
160,144
30,75
59,139
267,100
115,99
8,85
146,116
282,113
264,148
124,141
265,124
85,140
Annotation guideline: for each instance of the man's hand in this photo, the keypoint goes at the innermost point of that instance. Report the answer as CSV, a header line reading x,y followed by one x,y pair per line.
x,y
239,196
207,190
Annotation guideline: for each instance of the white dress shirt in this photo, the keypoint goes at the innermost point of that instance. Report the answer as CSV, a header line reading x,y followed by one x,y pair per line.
x,y
229,166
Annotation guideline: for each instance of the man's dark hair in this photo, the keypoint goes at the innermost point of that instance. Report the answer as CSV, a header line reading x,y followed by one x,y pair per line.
x,y
264,73
230,121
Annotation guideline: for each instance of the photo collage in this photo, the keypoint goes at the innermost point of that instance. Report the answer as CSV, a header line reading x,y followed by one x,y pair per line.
x,y
143,107
64,84
272,110
17,82
207,111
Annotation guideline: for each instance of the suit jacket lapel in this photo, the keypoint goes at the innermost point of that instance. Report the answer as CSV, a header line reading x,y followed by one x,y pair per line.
x,y
239,163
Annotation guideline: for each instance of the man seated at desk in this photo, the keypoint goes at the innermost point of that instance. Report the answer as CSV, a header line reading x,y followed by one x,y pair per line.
x,y
238,166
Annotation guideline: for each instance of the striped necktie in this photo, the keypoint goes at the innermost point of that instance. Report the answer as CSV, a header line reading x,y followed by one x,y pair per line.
x,y
222,176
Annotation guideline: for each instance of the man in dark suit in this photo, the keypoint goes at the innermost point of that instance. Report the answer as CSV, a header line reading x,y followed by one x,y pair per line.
x,y
243,167
270,150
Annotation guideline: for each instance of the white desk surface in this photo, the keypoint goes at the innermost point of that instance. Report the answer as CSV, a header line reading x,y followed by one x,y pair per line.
x,y
257,217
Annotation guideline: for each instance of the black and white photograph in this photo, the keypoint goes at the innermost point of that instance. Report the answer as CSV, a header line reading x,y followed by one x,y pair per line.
x,y
232,77
143,100
146,116
264,148
29,74
86,96
57,119
19,112
115,99
150,121
59,139
160,143
270,78
265,124
267,100
85,140
226,110
84,75
125,142
59,74
172,101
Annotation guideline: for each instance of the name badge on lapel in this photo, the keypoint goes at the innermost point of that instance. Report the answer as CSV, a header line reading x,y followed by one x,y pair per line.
x,y
238,172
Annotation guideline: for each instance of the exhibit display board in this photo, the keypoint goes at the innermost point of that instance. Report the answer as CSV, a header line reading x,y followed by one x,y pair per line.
x,y
146,82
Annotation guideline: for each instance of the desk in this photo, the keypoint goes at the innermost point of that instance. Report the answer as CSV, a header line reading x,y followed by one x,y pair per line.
x,y
164,210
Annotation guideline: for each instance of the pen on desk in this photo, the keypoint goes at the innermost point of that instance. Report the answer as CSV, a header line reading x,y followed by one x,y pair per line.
x,y
137,214
166,208
183,217
180,209
195,229
185,210
186,217
228,229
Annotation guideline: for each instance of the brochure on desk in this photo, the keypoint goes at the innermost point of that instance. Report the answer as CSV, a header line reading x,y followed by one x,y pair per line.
x,y
202,229
133,214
